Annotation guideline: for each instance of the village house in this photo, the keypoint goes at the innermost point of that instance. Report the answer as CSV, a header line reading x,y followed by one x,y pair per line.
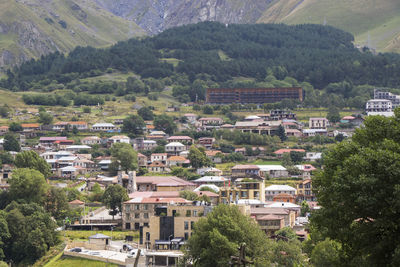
x,y
273,171
209,171
119,139
314,132
91,140
214,155
49,141
174,148
258,127
103,127
306,169
186,140
206,142
142,160
289,216
283,197
273,190
270,223
177,161
161,157
30,127
242,171
210,123
162,183
318,123
212,180
191,117
157,167
143,145
4,130
313,156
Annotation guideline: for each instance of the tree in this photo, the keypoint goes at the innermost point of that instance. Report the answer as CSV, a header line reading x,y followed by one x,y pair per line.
x,y
15,127
333,114
286,233
218,236
57,203
4,110
4,234
97,193
125,155
133,125
165,123
32,232
187,194
11,143
207,109
113,198
281,133
198,157
297,156
326,253
45,118
287,160
32,160
27,186
361,177
305,208
146,113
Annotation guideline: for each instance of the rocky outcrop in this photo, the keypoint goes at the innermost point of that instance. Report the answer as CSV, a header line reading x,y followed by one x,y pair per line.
x,y
155,16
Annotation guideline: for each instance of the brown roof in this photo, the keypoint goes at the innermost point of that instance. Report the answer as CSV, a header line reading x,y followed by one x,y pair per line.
x,y
176,158
245,167
287,150
206,193
269,217
162,180
76,201
30,125
266,211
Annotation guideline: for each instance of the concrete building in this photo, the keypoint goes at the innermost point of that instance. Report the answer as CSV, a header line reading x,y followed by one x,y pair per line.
x,y
274,190
379,105
103,127
318,123
242,190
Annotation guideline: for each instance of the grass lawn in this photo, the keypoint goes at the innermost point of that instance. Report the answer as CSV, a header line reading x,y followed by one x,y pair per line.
x,y
266,162
116,235
77,262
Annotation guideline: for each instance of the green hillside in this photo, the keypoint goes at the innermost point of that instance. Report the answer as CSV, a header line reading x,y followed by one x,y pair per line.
x,y
379,18
36,27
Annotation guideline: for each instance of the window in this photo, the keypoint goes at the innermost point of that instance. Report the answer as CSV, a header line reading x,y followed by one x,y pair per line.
x,y
188,213
145,206
146,224
137,215
191,225
137,207
195,213
186,236
128,216
145,215
186,225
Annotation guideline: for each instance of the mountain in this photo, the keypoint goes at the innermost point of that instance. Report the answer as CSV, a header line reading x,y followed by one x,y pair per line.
x,y
32,28
379,18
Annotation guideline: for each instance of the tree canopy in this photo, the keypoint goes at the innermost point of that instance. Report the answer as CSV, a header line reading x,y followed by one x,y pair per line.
x,y
359,192
133,125
125,156
31,159
113,198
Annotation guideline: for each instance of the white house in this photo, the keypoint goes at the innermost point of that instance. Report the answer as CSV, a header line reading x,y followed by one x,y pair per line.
x,y
161,157
318,123
274,190
119,139
91,140
103,127
273,171
174,148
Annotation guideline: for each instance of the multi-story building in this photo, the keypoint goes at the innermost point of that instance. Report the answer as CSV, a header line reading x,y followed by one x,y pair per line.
x,y
252,95
249,190
270,223
274,190
242,171
318,123
379,105
137,211
304,191
288,215
172,225
103,127
395,99
174,148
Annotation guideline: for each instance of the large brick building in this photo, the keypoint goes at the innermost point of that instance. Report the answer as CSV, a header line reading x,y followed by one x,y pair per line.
x,y
252,95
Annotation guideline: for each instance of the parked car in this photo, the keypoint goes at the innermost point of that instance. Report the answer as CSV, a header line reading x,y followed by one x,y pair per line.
x,y
127,247
76,250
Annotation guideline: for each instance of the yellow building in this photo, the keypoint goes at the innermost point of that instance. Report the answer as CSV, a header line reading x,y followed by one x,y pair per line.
x,y
305,191
242,190
171,226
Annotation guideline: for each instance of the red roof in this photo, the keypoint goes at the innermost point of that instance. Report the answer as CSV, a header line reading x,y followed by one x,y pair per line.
x,y
30,125
76,201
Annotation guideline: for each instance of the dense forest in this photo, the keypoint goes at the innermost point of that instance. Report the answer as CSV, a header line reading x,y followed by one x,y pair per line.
x,y
213,54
